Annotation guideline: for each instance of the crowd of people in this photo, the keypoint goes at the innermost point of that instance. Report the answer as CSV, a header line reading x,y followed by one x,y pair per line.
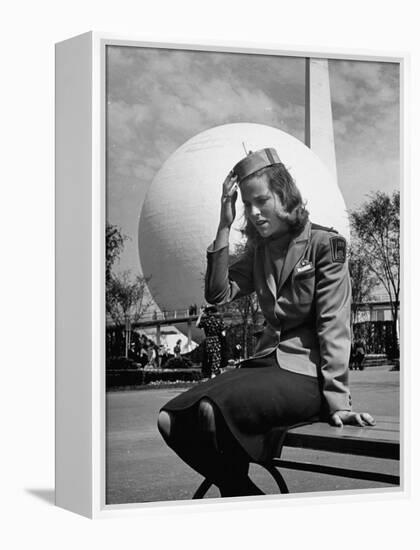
x,y
147,353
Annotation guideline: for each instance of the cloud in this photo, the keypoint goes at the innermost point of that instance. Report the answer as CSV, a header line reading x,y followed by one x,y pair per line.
x,y
183,102
359,176
365,102
157,99
363,82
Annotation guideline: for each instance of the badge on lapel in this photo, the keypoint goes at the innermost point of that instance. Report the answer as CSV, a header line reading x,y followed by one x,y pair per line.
x,y
304,266
338,249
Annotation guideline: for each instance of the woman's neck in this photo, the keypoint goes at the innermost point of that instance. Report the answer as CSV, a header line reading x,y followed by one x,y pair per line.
x,y
284,236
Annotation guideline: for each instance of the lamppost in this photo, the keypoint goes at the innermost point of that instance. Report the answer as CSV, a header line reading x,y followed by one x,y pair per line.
x,y
127,334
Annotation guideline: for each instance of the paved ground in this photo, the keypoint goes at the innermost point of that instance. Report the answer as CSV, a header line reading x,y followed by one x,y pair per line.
x,y
141,468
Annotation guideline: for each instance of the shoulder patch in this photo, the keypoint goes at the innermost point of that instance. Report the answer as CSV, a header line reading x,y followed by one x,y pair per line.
x,y
338,249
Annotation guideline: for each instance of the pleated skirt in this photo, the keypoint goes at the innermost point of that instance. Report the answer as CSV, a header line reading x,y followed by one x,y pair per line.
x,y
256,404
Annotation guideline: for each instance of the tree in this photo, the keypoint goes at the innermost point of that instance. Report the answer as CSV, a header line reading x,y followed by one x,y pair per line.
x,y
113,247
247,306
362,281
376,225
126,301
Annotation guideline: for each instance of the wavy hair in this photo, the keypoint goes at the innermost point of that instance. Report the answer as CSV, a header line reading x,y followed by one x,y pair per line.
x,y
283,185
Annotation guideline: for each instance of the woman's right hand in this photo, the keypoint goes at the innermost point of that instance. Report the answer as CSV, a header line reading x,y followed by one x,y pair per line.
x,y
229,196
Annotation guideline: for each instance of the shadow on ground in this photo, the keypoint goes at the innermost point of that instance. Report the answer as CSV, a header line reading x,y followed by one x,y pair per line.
x,y
47,495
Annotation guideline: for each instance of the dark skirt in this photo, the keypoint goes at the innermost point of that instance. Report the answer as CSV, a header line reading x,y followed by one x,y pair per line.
x,y
255,404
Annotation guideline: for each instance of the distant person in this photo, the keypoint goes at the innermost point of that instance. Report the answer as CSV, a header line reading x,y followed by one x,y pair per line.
x,y
214,329
132,352
144,341
359,347
160,355
144,358
237,352
151,355
177,349
167,353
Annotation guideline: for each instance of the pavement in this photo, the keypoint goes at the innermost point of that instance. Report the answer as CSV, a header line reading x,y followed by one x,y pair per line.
x,y
141,468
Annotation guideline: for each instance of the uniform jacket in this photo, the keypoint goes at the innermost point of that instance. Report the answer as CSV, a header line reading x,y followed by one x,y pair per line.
x,y
307,311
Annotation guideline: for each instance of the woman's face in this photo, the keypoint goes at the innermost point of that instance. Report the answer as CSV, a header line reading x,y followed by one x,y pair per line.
x,y
263,208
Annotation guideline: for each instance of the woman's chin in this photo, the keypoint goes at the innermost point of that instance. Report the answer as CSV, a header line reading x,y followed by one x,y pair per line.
x,y
263,230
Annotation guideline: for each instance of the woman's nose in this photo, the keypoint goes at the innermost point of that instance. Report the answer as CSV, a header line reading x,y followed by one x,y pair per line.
x,y
255,211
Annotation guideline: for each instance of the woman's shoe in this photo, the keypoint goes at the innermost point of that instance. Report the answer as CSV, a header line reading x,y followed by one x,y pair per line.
x,y
239,487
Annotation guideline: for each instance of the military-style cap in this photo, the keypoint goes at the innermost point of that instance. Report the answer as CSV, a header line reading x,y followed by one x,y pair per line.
x,y
255,161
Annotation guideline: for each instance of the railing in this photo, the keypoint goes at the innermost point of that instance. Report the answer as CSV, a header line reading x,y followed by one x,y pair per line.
x,y
167,315
162,316
378,298
192,313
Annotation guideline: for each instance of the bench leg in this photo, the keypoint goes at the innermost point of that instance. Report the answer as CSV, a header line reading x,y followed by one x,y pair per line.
x,y
279,479
202,490
206,484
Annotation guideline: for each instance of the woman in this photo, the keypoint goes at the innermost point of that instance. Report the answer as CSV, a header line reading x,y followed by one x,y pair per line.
x,y
177,349
359,353
209,320
300,369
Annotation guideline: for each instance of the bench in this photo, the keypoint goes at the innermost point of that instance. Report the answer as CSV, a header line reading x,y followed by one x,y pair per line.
x,y
381,441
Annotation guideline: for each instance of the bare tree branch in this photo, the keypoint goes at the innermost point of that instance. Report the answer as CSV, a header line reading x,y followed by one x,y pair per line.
x,y
376,229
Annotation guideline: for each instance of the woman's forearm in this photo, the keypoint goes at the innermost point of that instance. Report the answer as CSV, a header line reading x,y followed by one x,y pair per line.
x,y
217,286
222,237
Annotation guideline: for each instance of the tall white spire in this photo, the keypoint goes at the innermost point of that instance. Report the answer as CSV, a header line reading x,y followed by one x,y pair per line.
x,y
319,132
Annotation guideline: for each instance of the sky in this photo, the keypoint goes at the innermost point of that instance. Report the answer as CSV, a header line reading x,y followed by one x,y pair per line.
x,y
159,98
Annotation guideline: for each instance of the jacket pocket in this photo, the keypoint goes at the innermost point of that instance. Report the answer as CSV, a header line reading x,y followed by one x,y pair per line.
x,y
305,274
304,287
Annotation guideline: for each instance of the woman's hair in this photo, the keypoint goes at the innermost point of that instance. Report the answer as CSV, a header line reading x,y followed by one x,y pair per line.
x,y
282,184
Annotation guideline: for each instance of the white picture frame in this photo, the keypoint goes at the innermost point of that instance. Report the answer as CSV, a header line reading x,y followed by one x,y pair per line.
x,y
80,261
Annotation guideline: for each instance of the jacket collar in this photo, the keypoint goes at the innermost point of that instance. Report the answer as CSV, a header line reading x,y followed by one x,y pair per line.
x,y
295,252
305,234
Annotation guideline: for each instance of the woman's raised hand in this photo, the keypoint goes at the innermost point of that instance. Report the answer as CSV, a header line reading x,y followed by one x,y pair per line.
x,y
229,196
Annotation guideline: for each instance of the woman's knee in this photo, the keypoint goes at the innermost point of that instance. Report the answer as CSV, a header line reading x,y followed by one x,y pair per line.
x,y
165,422
206,420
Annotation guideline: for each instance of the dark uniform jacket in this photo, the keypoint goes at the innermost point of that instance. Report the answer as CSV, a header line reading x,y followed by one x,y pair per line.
x,y
307,310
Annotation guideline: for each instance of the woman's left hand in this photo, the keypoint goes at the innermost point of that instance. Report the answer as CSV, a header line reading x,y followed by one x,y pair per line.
x,y
348,417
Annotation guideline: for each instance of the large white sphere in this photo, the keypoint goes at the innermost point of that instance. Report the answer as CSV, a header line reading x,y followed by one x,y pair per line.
x,y
181,211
